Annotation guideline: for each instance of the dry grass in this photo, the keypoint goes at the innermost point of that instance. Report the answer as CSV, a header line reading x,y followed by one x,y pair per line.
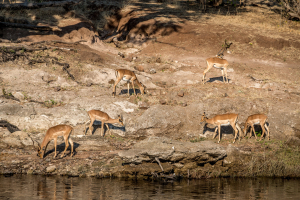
x,y
276,159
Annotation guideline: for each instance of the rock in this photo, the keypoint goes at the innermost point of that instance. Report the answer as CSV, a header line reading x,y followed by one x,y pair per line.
x,y
56,89
293,141
225,95
180,93
16,109
174,102
121,55
49,78
158,60
92,145
152,71
129,58
162,101
173,151
18,95
178,165
130,45
11,141
139,68
143,105
183,104
50,169
18,139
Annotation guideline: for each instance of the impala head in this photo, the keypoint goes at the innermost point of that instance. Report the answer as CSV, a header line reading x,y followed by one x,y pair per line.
x,y
40,151
143,88
203,118
120,120
220,55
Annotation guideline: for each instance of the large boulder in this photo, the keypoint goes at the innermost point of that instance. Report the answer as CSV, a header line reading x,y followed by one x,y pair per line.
x,y
168,150
18,139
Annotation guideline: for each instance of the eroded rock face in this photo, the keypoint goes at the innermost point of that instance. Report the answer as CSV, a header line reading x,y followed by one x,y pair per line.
x,y
17,139
168,150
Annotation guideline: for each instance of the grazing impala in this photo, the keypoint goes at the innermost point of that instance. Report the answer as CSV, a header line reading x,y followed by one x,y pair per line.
x,y
128,76
219,63
52,134
104,118
256,119
223,120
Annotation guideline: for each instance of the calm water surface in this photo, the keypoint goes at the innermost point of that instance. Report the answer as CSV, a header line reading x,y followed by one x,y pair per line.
x,y
56,187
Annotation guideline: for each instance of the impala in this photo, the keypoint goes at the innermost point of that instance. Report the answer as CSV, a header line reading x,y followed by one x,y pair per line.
x,y
128,76
223,120
256,119
219,63
104,118
52,134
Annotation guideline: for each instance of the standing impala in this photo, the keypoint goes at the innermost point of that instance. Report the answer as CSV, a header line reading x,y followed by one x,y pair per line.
x,y
223,120
219,63
252,120
104,118
128,76
53,133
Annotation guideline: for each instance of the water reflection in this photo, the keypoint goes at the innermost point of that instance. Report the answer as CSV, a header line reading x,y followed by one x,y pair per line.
x,y
56,187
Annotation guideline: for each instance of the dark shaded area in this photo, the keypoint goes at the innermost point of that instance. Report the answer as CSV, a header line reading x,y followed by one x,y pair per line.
x,y
10,127
131,92
97,124
220,78
60,148
228,130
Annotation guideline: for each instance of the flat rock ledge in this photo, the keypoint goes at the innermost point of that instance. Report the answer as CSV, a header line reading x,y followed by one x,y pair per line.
x,y
168,150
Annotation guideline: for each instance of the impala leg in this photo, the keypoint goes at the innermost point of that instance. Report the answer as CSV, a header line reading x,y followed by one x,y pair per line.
x,y
235,132
55,142
263,130
219,127
267,131
66,146
245,130
72,146
90,126
225,70
108,129
102,128
85,126
128,88
132,82
250,132
223,75
115,85
204,73
215,132
240,131
252,127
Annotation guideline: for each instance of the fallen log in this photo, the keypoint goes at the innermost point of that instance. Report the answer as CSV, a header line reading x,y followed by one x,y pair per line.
x,y
29,26
20,6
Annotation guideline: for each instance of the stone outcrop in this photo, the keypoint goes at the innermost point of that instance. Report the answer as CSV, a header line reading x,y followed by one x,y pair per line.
x,y
168,150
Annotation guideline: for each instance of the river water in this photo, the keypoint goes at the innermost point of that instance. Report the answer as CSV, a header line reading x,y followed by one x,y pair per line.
x,y
57,187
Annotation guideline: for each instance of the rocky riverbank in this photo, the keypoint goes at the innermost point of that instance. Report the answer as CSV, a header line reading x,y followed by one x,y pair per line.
x,y
153,157
55,78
